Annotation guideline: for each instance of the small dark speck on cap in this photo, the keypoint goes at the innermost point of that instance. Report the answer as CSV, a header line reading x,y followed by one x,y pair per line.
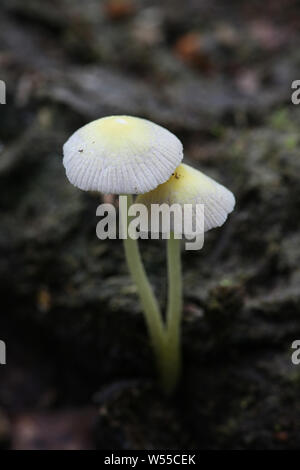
x,y
80,150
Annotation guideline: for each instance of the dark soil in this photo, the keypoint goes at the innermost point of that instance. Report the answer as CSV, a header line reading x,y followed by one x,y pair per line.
x,y
79,370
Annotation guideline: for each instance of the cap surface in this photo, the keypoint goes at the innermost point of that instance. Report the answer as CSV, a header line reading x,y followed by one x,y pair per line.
x,y
190,186
121,155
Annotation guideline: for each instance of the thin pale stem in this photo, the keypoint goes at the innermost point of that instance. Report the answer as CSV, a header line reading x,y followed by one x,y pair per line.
x,y
174,315
148,300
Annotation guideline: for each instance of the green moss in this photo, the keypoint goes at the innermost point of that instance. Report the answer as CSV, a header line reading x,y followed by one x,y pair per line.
x,y
280,119
291,142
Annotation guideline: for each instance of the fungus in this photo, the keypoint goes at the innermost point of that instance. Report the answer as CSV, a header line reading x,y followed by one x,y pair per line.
x,y
185,186
126,155
121,155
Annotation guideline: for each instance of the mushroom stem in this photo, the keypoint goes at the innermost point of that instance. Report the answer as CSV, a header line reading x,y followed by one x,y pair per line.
x,y
172,352
148,300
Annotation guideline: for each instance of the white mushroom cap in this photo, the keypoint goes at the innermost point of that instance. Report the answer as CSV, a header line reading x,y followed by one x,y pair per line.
x,y
121,155
190,186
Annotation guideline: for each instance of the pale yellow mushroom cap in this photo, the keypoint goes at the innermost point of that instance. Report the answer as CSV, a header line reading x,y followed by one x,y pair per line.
x,y
121,155
190,186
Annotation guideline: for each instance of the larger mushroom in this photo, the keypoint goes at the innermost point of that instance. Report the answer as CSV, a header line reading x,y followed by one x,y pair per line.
x,y
127,155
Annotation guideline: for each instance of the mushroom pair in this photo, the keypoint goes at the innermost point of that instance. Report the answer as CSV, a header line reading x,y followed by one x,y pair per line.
x,y
128,155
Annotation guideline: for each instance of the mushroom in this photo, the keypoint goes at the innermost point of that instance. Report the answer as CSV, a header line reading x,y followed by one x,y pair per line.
x,y
121,155
126,155
185,186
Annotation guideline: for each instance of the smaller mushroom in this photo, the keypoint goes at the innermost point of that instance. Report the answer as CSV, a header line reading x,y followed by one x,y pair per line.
x,y
185,186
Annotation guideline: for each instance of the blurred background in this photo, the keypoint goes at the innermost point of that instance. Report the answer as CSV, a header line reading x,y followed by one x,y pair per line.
x,y
79,372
